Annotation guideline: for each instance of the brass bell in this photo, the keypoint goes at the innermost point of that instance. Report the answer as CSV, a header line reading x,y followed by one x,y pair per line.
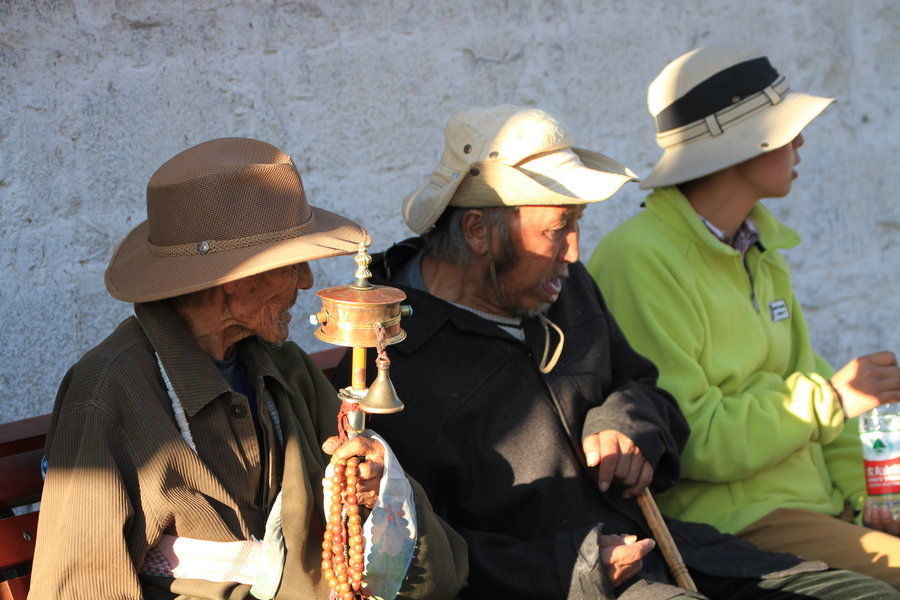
x,y
381,397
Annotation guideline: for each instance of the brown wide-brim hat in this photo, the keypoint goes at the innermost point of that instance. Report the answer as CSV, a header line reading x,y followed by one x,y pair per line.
x,y
718,106
220,211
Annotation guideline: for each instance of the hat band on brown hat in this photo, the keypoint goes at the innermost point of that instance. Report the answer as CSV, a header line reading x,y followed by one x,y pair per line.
x,y
220,211
210,246
723,89
715,124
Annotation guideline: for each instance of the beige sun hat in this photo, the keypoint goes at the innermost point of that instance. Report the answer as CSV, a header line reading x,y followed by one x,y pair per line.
x,y
720,105
219,211
511,156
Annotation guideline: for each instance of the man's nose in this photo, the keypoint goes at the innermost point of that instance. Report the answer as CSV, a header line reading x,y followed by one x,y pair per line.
x,y
569,252
305,277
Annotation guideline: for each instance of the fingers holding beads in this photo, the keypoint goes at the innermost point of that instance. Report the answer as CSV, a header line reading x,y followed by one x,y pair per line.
x,y
331,444
371,464
363,447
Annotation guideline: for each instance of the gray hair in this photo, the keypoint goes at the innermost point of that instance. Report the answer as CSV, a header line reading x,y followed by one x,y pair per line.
x,y
446,241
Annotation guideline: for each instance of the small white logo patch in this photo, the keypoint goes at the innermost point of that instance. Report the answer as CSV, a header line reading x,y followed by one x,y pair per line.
x,y
779,311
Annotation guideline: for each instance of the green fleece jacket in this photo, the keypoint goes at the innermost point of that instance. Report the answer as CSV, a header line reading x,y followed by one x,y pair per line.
x,y
731,344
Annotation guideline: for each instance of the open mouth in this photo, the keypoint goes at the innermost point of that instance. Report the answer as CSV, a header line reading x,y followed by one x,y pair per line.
x,y
552,287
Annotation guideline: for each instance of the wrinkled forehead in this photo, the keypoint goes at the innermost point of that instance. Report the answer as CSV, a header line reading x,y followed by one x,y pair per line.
x,y
540,218
550,211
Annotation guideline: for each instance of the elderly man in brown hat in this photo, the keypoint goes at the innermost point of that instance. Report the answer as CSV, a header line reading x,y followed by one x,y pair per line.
x,y
535,424
187,451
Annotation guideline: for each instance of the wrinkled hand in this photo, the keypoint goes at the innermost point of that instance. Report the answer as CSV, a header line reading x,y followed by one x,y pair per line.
x,y
880,518
371,466
868,381
622,556
620,459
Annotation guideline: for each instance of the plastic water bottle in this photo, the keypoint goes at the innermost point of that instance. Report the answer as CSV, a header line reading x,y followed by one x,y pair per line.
x,y
879,431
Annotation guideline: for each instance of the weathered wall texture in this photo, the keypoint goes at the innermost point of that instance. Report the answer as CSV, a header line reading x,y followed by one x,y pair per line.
x,y
96,94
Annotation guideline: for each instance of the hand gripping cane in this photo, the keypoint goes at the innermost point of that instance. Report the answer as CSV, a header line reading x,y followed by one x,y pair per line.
x,y
666,543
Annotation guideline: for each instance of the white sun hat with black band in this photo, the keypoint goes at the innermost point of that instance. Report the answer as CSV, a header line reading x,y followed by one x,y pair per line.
x,y
718,106
511,156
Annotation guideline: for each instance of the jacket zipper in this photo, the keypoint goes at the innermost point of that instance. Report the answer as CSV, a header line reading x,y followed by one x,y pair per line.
x,y
752,287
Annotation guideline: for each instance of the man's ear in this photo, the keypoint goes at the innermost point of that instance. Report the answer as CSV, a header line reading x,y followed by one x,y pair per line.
x,y
474,227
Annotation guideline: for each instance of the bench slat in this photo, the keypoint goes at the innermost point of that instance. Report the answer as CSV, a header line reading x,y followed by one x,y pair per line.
x,y
20,479
15,589
328,360
24,435
18,534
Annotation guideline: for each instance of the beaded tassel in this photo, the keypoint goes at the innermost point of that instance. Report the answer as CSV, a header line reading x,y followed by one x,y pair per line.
x,y
343,546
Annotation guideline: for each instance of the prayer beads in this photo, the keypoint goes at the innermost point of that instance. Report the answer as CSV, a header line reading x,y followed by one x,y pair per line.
x,y
343,544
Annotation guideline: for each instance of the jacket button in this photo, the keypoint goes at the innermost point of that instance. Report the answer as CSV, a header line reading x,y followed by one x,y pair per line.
x,y
238,411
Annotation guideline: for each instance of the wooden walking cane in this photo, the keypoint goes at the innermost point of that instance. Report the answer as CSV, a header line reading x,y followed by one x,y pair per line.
x,y
664,540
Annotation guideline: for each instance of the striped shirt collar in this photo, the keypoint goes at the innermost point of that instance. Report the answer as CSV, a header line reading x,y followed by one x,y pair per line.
x,y
746,235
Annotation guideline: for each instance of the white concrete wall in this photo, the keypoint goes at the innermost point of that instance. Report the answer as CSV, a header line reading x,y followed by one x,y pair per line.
x,y
96,94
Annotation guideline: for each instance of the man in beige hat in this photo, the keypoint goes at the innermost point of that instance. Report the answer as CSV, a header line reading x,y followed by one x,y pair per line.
x,y
534,424
698,284
187,451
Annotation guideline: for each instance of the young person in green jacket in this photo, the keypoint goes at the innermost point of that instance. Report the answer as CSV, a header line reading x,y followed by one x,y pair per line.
x,y
697,283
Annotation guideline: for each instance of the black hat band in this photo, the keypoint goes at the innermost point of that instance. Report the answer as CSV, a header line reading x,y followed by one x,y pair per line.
x,y
723,89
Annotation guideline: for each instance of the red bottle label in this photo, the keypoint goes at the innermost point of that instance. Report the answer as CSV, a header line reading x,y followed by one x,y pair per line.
x,y
881,454
882,476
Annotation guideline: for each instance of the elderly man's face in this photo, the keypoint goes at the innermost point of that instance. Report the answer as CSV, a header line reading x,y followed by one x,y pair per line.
x,y
544,240
262,302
